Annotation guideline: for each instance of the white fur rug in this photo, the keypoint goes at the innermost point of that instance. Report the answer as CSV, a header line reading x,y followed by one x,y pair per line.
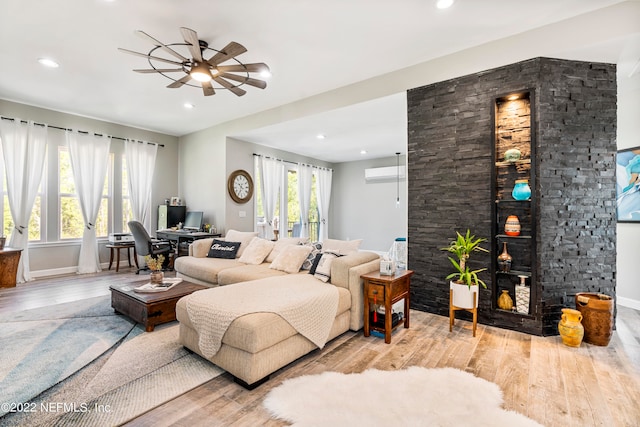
x,y
412,397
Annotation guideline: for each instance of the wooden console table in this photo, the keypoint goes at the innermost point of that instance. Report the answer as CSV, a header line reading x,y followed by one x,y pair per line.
x,y
9,259
386,290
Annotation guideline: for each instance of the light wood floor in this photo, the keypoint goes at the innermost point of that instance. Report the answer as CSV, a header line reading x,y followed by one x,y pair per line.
x,y
541,378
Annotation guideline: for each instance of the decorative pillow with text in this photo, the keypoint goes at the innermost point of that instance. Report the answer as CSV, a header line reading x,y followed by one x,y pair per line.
x,y
223,249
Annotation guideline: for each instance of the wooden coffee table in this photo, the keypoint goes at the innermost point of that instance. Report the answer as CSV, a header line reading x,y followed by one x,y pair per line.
x,y
149,309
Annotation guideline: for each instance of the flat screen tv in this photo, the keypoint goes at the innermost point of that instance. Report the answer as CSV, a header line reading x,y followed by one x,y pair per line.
x,y
193,221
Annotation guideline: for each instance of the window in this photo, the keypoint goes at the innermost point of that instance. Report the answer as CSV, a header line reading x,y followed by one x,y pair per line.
x,y
36,223
291,215
71,220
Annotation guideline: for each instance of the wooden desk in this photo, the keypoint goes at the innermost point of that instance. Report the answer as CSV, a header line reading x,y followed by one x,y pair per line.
x,y
183,238
116,248
9,259
386,290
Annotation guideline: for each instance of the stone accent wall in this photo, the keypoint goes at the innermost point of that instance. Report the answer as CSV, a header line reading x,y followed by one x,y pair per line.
x,y
449,166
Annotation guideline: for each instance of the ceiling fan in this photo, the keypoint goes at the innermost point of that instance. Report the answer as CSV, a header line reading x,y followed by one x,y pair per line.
x,y
198,67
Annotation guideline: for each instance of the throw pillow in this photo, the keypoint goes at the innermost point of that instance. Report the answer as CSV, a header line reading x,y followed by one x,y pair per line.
x,y
323,269
344,247
314,265
256,251
290,259
244,237
281,243
223,249
316,248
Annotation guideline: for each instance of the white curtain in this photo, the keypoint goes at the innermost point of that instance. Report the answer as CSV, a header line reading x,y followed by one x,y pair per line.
x,y
271,172
89,155
305,174
24,147
323,192
141,163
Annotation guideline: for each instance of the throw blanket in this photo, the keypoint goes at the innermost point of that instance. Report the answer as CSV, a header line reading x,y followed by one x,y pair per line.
x,y
309,306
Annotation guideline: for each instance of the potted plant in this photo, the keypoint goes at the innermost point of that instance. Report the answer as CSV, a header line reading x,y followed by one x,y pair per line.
x,y
155,265
464,281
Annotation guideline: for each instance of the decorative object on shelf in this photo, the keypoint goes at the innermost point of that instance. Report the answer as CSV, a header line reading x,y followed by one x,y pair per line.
x,y
155,265
504,301
512,155
504,259
512,226
398,252
523,295
570,328
240,186
597,317
521,190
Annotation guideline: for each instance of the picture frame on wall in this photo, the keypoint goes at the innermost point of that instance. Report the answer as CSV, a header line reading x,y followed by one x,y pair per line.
x,y
175,201
628,185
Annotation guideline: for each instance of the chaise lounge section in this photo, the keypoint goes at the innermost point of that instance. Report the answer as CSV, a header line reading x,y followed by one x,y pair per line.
x,y
259,343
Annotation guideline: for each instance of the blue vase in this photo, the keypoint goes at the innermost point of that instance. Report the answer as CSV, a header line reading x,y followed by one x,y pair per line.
x,y
521,191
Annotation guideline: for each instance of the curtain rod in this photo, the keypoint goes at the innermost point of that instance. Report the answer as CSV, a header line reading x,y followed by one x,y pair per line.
x,y
82,131
293,163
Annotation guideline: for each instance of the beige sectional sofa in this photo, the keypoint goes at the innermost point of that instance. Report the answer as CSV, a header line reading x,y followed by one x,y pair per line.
x,y
257,344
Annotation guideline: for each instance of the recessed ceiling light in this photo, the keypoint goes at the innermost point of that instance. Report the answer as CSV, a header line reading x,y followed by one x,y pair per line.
x,y
363,152
321,136
48,62
444,4
189,106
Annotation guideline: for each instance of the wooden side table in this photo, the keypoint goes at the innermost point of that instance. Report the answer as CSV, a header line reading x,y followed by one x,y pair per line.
x,y
386,290
9,259
116,248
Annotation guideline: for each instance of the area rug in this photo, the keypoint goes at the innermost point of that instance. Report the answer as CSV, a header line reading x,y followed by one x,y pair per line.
x,y
41,347
140,372
415,396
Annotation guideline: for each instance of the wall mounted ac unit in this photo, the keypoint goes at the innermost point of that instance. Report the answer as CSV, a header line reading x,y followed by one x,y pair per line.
x,y
389,173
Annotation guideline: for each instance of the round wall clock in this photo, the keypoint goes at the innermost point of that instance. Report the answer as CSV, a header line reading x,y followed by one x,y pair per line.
x,y
240,186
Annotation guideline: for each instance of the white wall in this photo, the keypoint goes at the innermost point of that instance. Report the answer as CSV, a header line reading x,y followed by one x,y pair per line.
x,y
62,257
627,289
367,210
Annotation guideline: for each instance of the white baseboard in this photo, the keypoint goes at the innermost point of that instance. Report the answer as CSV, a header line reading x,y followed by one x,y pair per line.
x,y
628,302
71,270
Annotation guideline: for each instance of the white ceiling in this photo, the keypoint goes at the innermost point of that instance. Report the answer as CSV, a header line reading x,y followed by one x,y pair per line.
x,y
311,47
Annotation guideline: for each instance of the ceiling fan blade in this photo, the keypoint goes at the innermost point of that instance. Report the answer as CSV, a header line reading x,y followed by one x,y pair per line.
x,y
191,37
250,68
159,70
231,50
161,45
179,83
144,55
208,89
248,80
222,82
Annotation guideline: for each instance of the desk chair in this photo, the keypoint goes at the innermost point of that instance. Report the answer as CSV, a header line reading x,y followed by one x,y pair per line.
x,y
145,245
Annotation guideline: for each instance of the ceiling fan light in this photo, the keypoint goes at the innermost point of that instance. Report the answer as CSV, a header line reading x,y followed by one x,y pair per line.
x,y
200,73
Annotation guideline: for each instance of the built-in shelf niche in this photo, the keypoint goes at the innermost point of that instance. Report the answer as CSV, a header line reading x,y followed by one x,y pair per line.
x,y
514,129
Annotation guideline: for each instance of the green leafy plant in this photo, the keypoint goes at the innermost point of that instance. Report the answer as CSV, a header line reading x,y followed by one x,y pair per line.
x,y
154,264
462,247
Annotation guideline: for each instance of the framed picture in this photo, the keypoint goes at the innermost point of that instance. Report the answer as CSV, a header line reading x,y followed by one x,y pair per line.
x,y
628,185
175,201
